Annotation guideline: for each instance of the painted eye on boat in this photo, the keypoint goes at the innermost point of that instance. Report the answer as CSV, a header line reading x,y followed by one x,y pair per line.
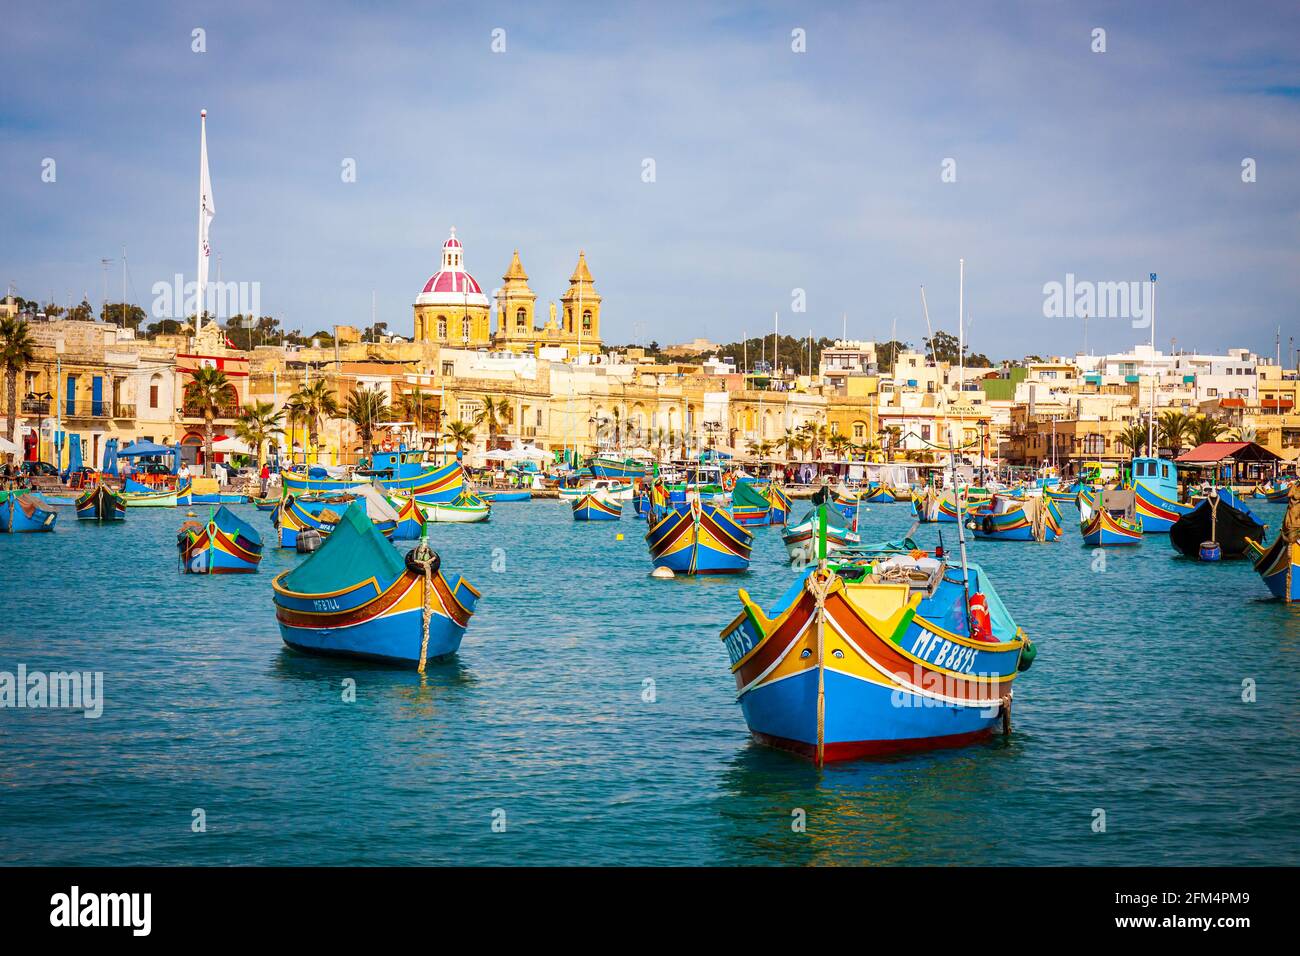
x,y
807,652
837,653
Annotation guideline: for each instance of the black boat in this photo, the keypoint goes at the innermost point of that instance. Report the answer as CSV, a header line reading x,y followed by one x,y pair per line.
x,y
1220,519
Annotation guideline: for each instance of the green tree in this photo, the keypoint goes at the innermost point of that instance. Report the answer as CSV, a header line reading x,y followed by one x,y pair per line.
x,y
207,393
315,403
257,424
493,413
17,351
1134,438
462,433
367,409
1203,429
123,314
1172,430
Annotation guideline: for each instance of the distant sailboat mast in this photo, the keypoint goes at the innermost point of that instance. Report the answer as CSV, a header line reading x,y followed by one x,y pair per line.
x,y
1151,418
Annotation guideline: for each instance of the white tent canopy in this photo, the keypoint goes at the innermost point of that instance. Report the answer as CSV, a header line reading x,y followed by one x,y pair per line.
x,y
232,446
377,506
8,447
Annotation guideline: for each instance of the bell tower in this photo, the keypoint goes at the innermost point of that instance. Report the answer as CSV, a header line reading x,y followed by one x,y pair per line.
x,y
581,305
515,304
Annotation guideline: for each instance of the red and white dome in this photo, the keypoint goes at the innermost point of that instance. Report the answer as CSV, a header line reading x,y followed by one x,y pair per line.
x,y
452,285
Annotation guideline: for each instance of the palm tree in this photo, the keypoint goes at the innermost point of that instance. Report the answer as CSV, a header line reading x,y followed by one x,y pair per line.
x,y
493,413
293,411
1203,429
257,423
366,409
207,393
462,433
415,406
1134,437
1172,428
838,444
315,402
17,351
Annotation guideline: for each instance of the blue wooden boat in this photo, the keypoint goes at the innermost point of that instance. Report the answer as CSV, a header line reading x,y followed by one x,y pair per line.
x,y
1279,567
357,597
216,498
1155,483
266,504
878,493
623,469
401,473
410,519
496,496
779,502
693,537
801,539
877,656
23,511
1016,519
597,507
100,504
225,544
1108,519
750,506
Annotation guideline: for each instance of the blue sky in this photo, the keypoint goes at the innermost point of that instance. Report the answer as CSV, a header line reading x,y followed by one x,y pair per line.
x,y
774,170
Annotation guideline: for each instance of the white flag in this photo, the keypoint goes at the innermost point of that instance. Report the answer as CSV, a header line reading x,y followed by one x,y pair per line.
x,y
207,209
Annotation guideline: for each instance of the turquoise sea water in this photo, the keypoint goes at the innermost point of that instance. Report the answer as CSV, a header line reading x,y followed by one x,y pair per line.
x,y
1134,706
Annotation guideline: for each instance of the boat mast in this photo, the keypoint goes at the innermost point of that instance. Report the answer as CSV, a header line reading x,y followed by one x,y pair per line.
x,y
1151,418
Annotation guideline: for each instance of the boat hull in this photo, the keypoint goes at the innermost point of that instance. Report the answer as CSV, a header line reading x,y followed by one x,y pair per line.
x,y
696,538
1279,567
100,504
431,485
25,513
1156,512
1106,531
224,545
1016,524
374,623
595,508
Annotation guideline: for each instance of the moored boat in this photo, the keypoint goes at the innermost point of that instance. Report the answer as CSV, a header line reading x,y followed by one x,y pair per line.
x,y
410,519
624,469
23,511
397,473
750,505
1155,485
166,498
100,503
1279,567
596,507
508,496
878,493
695,537
1016,519
1218,526
800,539
467,508
225,544
1109,518
358,597
879,656
779,502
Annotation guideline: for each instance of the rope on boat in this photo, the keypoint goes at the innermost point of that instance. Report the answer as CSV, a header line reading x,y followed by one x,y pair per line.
x,y
424,560
820,585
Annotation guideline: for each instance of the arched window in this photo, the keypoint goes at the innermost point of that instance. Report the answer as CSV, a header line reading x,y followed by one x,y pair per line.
x,y
521,319
155,388
442,326
586,321
568,320
464,328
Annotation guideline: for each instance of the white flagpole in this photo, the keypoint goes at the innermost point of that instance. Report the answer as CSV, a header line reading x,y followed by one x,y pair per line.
x,y
207,209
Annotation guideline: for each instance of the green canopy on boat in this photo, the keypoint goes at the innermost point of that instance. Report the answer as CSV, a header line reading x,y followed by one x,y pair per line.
x,y
745,494
354,551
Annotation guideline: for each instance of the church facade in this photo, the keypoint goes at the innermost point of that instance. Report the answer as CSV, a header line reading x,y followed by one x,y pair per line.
x,y
452,310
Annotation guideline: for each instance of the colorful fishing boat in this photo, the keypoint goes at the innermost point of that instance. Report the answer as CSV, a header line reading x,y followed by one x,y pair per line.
x,y
164,498
779,502
695,537
878,493
467,508
750,506
100,503
226,544
23,511
265,504
296,515
1108,518
596,507
410,519
625,469
1063,495
611,488
1276,494
884,655
216,498
934,506
358,597
1005,518
1155,483
801,538
412,479
1279,566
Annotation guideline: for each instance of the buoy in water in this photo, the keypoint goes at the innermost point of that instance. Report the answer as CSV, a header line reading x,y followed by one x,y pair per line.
x,y
190,514
1210,551
619,536
664,573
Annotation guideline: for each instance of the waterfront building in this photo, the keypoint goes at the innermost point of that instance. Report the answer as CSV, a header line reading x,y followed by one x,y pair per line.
x,y
451,309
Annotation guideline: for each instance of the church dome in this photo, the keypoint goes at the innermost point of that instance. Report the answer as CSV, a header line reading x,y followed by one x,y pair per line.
x,y
452,285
